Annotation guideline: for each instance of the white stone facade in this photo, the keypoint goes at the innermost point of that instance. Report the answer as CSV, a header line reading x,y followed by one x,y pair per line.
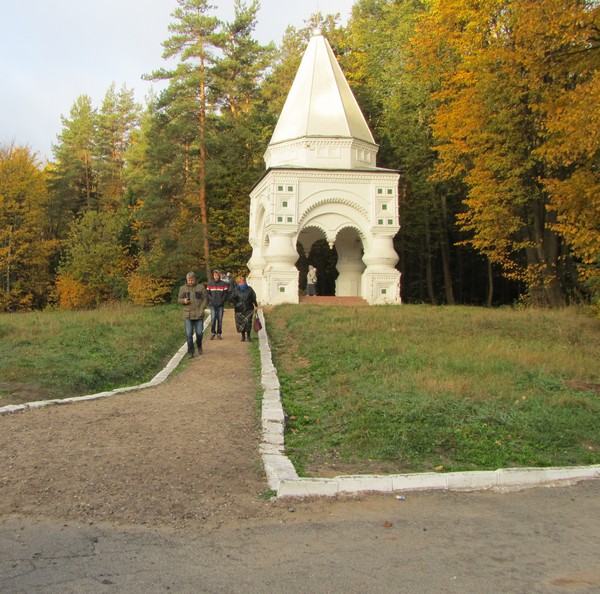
x,y
322,182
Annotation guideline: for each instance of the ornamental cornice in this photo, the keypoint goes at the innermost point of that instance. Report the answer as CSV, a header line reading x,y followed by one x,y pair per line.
x,y
350,176
314,141
283,174
333,200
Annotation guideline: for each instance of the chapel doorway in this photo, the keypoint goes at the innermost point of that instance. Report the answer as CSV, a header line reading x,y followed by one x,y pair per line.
x,y
324,259
339,266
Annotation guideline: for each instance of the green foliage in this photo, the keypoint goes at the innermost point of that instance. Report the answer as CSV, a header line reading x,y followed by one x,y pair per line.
x,y
74,177
96,258
413,388
117,120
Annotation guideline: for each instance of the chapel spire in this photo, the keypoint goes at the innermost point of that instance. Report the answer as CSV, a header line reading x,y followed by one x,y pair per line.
x,y
321,124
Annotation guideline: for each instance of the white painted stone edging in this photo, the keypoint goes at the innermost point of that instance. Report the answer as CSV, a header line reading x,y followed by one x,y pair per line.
x,y
284,480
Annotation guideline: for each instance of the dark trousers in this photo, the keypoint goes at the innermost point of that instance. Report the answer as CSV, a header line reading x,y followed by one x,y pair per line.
x,y
216,313
192,326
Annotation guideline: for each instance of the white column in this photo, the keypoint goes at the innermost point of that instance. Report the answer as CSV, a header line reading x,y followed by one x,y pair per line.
x,y
281,274
256,274
381,280
350,267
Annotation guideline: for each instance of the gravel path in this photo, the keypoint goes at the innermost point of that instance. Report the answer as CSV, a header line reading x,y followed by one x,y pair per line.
x,y
183,453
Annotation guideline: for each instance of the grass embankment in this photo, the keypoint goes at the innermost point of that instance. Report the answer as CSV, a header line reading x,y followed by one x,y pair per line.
x,y
56,354
419,388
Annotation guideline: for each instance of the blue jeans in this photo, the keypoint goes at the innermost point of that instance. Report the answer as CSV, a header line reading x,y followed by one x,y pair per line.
x,y
216,313
192,326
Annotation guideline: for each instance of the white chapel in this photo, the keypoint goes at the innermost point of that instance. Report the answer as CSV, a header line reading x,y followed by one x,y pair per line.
x,y
322,182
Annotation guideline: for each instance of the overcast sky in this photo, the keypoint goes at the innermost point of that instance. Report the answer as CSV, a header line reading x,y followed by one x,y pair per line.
x,y
53,51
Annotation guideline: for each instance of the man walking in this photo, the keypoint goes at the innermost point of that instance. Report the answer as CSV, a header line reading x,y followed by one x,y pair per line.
x,y
217,291
193,297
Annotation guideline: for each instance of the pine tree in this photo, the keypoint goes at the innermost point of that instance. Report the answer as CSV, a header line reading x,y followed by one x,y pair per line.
x,y
75,176
117,119
194,42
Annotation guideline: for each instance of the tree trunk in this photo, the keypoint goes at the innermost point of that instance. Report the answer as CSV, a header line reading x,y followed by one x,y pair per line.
x,y
545,288
490,276
202,180
445,250
88,182
429,265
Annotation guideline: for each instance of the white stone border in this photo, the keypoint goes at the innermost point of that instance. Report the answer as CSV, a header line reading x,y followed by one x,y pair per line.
x,y
159,378
284,480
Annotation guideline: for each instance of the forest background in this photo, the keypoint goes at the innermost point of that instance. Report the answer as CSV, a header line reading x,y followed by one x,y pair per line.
x,y
489,109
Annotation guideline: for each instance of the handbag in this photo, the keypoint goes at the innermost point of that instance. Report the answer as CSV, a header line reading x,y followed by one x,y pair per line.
x,y
257,324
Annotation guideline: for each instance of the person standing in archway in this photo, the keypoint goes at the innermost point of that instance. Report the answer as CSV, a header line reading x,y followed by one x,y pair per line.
x,y
311,281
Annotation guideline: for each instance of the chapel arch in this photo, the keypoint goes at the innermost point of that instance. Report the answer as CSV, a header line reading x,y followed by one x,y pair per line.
x,y
350,265
339,262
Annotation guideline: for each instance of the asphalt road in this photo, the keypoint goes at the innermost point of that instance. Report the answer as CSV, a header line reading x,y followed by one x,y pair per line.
x,y
540,540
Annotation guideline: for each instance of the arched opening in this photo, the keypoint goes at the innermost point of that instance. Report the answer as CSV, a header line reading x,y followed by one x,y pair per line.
x,y
324,259
350,265
339,266
314,249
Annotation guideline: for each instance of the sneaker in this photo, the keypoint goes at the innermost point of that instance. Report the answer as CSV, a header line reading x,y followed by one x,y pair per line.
x,y
199,350
219,337
191,355
212,336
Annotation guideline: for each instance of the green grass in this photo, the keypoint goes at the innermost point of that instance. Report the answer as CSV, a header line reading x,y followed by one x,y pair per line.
x,y
55,354
418,388
394,389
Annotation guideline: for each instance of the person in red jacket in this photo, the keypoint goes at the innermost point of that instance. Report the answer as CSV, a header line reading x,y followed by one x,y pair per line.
x,y
217,292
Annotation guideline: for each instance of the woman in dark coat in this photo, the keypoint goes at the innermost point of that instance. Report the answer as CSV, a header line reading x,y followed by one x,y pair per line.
x,y
244,303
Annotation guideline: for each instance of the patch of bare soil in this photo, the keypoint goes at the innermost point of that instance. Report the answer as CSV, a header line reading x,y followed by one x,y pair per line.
x,y
584,386
182,454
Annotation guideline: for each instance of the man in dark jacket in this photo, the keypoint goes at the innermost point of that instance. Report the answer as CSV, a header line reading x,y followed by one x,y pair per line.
x,y
217,291
193,297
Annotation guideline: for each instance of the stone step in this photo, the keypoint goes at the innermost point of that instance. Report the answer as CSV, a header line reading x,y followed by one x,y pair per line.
x,y
332,300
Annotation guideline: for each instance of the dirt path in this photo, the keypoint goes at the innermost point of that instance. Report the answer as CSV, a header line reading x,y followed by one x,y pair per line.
x,y
180,454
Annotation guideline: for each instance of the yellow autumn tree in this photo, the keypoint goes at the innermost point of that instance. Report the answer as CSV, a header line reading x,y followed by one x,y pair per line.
x,y
26,246
570,112
504,67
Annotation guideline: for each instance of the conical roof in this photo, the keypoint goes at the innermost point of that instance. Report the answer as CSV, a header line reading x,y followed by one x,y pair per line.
x,y
320,102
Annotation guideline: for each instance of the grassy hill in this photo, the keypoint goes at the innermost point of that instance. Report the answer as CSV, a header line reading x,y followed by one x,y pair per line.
x,y
367,389
419,388
59,354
